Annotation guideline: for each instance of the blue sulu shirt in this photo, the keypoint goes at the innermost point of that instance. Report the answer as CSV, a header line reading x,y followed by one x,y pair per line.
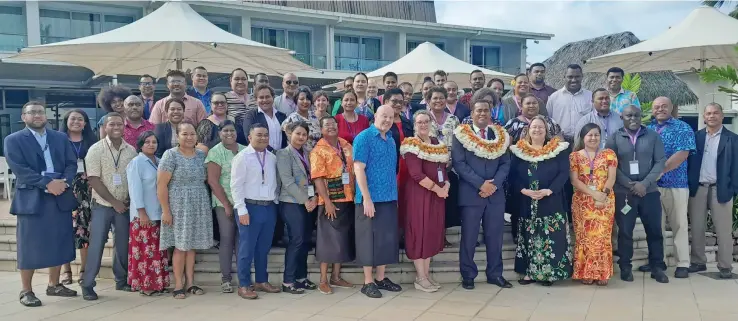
x,y
41,140
141,172
204,98
380,158
677,136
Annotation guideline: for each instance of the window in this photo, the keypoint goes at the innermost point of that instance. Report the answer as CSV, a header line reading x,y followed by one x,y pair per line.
x,y
297,41
220,22
487,57
358,53
12,28
59,26
411,45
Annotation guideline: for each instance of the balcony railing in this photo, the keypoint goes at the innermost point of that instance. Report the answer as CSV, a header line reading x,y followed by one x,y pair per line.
x,y
503,69
316,61
359,64
48,39
12,42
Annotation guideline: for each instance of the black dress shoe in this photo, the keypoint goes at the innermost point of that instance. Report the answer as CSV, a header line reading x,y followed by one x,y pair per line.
x,y
626,275
467,284
681,273
694,268
659,275
29,299
526,281
500,281
726,274
89,294
123,287
546,283
644,268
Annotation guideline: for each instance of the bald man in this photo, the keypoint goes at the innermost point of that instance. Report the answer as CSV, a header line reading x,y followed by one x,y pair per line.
x,y
286,101
377,245
679,143
135,123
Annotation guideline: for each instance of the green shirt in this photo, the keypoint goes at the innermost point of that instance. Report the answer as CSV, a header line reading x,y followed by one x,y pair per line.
x,y
223,157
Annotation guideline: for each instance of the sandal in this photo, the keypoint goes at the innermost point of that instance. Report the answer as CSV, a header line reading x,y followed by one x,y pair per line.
x,y
196,290
602,283
151,293
67,279
179,294
587,282
226,287
81,273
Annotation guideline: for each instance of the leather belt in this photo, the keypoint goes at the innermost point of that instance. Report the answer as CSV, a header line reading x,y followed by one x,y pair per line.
x,y
262,203
708,185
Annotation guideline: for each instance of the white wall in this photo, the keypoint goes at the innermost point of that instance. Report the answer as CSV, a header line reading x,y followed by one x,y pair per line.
x,y
706,93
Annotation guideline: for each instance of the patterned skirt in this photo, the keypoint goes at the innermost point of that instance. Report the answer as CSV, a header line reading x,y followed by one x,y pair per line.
x,y
147,265
81,216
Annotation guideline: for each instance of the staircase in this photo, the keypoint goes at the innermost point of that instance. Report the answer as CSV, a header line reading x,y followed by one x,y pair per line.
x,y
445,265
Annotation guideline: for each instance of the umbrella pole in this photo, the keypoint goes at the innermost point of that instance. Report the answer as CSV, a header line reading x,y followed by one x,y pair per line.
x,y
700,101
178,53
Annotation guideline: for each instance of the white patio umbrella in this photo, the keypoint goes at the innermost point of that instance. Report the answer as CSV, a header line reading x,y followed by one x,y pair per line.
x,y
172,37
705,38
423,61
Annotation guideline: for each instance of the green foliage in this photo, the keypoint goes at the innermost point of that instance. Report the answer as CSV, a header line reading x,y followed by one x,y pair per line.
x,y
727,74
720,4
646,112
632,82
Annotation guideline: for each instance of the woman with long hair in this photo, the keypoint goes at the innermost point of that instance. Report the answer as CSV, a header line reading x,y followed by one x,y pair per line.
x,y
592,173
350,123
365,105
187,222
147,262
76,124
538,172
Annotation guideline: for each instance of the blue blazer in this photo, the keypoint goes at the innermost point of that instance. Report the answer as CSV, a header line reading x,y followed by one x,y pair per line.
x,y
474,170
253,116
26,159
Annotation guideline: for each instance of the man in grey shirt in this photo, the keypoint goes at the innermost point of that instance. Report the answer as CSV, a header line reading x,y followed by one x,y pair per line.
x,y
641,160
609,121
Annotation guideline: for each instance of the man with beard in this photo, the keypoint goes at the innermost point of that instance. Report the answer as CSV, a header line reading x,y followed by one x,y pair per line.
x,y
570,103
641,160
479,156
377,241
476,79
194,110
619,97
538,86
285,103
147,86
609,121
44,164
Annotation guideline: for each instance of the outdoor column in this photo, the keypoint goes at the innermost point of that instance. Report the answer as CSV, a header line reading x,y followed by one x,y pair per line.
x,y
330,50
33,24
523,57
246,27
467,48
401,44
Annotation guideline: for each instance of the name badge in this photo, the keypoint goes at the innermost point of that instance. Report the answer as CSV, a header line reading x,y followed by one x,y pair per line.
x,y
634,168
263,190
626,209
440,176
594,188
117,180
311,190
80,166
345,179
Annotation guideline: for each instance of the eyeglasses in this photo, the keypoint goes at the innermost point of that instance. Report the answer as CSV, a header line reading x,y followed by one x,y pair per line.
x,y
36,112
291,82
397,101
218,103
176,82
146,84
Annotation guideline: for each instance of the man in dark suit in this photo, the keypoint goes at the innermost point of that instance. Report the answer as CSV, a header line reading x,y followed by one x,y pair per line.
x,y
713,182
266,114
480,197
44,163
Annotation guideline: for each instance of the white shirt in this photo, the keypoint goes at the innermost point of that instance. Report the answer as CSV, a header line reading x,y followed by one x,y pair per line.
x,y
246,178
275,130
566,108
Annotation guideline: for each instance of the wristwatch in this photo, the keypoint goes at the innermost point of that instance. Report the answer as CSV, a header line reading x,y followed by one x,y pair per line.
x,y
607,191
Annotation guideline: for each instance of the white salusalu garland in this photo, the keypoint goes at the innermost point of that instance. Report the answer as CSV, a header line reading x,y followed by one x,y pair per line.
x,y
437,153
554,151
484,148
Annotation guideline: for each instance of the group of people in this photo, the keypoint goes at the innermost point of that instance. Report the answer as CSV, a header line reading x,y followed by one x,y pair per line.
x,y
369,176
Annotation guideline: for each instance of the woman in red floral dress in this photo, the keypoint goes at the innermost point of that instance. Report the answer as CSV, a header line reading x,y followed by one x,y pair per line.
x,y
147,264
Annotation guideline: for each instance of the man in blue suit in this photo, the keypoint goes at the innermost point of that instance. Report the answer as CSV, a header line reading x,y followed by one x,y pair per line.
x,y
44,163
481,174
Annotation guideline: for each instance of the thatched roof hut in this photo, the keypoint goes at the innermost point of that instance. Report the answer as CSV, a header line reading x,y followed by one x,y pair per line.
x,y
654,84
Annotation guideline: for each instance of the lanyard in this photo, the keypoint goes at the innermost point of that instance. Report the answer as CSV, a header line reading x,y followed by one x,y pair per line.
x,y
350,128
339,151
115,160
633,140
606,124
591,164
660,128
443,120
152,164
77,149
303,160
262,162
407,112
520,109
496,112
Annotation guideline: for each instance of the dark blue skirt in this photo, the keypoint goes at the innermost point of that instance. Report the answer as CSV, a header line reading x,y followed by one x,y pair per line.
x,y
45,240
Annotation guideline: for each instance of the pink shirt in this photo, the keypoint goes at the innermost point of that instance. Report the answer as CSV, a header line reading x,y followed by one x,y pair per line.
x,y
194,110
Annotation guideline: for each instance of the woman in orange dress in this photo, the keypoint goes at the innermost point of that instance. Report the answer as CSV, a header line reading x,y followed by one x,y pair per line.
x,y
593,208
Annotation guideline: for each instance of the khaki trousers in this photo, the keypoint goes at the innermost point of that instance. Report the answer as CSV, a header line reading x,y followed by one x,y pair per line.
x,y
722,219
674,205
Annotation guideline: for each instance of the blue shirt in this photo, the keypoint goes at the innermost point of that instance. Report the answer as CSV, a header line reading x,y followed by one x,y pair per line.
x,y
141,173
623,99
204,98
677,136
41,140
380,158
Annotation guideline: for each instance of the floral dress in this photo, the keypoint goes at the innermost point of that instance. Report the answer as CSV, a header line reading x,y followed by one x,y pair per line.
x,y
314,135
83,193
543,252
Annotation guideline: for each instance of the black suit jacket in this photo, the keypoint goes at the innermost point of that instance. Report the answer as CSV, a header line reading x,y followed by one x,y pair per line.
x,y
163,133
727,165
474,170
253,116
462,111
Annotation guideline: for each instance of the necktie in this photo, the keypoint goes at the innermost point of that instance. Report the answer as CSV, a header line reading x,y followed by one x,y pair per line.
x,y
482,134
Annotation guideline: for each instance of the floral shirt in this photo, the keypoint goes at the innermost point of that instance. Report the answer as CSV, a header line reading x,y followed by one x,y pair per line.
x,y
677,136
325,162
623,99
515,128
446,131
380,158
312,121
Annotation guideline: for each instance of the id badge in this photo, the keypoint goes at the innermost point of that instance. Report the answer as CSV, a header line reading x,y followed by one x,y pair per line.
x,y
117,180
311,191
594,188
440,176
80,166
263,190
345,179
626,209
634,168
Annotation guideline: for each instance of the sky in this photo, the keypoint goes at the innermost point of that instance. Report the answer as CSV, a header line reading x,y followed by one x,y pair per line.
x,y
569,21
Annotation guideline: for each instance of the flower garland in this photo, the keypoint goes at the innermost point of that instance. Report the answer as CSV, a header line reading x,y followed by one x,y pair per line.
x,y
525,151
437,153
484,148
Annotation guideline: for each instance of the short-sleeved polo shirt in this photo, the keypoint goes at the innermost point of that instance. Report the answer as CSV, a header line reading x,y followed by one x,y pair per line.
x,y
677,136
380,158
101,161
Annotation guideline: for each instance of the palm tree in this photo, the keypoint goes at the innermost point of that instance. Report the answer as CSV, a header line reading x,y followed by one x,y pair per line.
x,y
721,3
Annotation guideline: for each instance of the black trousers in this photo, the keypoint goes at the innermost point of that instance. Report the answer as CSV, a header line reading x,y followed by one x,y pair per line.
x,y
648,208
